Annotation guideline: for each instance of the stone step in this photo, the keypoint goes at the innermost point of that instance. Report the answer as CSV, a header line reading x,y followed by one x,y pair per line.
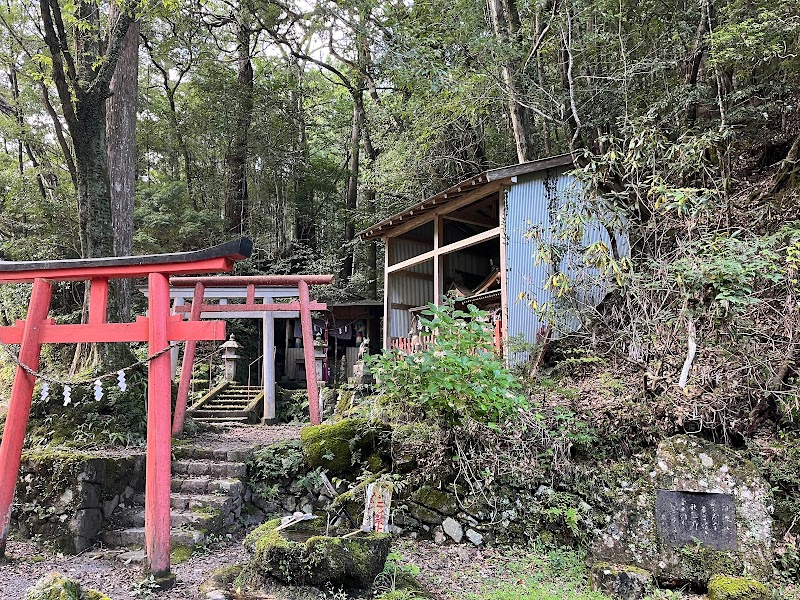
x,y
206,485
219,454
221,420
199,467
186,519
221,407
226,401
212,501
220,414
134,536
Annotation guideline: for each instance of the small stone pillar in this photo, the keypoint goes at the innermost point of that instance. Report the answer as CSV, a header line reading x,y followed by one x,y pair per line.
x,y
320,350
229,358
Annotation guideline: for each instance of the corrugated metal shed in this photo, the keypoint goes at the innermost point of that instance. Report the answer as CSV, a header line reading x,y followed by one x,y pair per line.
x,y
535,207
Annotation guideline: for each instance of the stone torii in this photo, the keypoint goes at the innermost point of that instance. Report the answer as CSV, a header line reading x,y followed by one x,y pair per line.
x,y
158,329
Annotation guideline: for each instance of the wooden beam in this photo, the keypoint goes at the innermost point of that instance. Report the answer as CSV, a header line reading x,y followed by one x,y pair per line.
x,y
159,427
447,208
468,221
176,330
401,306
410,262
245,280
308,352
188,365
98,301
448,249
254,308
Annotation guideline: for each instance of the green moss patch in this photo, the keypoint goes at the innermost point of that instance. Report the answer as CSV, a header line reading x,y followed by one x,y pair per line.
x,y
339,446
724,587
180,554
435,499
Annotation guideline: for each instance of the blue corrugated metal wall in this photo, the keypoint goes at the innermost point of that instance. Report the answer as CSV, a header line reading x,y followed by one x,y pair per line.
x,y
535,204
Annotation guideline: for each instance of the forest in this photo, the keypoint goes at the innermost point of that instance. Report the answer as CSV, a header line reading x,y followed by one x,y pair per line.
x,y
151,126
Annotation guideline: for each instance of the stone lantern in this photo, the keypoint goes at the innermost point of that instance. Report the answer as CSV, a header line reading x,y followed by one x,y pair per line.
x,y
229,358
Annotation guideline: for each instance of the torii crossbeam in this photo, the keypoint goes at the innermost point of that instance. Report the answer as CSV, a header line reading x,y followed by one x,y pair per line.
x,y
158,329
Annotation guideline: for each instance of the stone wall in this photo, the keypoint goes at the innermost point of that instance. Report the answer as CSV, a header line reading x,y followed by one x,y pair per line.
x,y
65,497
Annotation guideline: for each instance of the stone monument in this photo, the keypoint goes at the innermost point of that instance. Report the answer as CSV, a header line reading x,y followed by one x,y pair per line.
x,y
693,511
361,373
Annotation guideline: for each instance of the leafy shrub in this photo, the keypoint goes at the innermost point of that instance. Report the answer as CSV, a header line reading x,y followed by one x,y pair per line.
x,y
458,375
275,464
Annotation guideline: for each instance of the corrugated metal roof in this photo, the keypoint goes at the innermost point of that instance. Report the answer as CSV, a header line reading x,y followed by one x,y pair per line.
x,y
441,199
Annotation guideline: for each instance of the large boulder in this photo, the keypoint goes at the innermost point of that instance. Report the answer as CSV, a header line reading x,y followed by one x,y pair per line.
x,y
694,510
302,555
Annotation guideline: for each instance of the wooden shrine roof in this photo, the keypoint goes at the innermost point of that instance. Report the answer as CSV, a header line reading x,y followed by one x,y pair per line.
x,y
437,202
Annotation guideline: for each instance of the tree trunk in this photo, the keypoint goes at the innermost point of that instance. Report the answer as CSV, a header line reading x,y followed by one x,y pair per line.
x,y
82,82
351,198
236,204
503,14
121,142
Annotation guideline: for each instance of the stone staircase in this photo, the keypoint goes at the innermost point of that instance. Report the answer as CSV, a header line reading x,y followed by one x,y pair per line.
x,y
229,403
207,497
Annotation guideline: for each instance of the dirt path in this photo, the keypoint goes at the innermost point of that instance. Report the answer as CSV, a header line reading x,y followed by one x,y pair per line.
x,y
109,575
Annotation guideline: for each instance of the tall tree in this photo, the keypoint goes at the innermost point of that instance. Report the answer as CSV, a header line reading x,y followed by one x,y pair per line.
x,y
505,23
121,142
236,198
83,65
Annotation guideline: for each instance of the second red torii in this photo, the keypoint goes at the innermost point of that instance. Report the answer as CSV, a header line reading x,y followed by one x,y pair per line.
x,y
304,306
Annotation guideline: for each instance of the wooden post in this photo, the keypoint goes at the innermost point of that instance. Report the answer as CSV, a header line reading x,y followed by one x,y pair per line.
x,y
268,372
19,408
438,264
188,364
308,353
503,267
387,296
175,352
98,301
159,456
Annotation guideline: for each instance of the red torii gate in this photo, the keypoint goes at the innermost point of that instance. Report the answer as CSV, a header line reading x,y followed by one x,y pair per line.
x,y
198,307
158,329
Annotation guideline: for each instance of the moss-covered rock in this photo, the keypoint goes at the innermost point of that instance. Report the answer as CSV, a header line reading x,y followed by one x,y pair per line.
x,y
436,499
338,446
623,582
344,402
724,587
64,495
221,579
318,560
56,586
